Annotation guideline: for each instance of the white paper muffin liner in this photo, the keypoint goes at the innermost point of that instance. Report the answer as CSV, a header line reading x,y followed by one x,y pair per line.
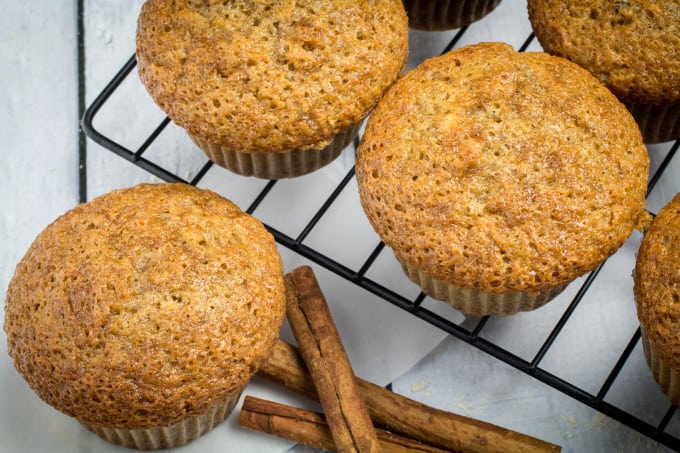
x,y
657,123
667,378
476,302
430,15
289,164
171,436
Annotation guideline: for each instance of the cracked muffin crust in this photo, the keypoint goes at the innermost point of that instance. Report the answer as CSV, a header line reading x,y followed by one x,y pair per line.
x,y
145,307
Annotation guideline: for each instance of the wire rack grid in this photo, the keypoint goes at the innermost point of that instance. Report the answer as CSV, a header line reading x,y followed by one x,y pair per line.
x,y
660,426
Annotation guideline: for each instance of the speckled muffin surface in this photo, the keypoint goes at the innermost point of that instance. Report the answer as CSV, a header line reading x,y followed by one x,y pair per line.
x,y
145,306
270,76
657,284
632,46
502,171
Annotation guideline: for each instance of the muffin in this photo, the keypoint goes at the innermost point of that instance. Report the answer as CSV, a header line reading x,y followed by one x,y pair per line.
x,y
144,312
657,295
432,15
270,89
633,47
498,177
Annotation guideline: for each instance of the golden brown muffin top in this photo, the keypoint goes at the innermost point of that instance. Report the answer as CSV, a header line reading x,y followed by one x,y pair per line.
x,y
145,305
502,171
633,47
270,76
657,283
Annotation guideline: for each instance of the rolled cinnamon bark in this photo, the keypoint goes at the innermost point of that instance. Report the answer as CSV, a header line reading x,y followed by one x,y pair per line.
x,y
330,369
311,429
405,416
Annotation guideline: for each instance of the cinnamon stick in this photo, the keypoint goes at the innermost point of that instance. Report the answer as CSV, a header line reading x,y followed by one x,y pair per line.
x,y
325,357
405,416
310,428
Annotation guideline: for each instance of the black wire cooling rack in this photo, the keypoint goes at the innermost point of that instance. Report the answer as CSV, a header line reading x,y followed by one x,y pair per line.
x,y
415,306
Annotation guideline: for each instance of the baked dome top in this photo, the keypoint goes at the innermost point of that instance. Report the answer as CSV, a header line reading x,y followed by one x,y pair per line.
x,y
497,170
657,283
145,305
633,47
270,75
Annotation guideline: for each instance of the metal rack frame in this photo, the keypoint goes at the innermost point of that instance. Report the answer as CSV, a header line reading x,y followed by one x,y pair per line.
x,y
413,306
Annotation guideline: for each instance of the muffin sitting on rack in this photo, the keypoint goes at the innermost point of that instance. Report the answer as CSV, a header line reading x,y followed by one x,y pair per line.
x,y
144,312
431,15
270,89
498,177
657,295
633,47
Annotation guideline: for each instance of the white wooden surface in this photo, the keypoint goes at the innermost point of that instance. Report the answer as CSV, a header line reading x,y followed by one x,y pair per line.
x,y
38,124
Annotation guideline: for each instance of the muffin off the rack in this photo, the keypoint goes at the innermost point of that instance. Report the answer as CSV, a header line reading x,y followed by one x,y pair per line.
x,y
498,177
271,89
144,312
